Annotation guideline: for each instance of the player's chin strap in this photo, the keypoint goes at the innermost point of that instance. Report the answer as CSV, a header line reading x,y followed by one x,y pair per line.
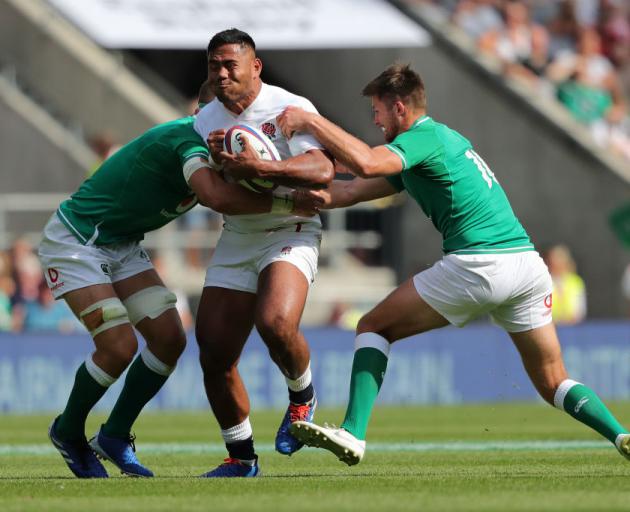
x,y
113,313
150,302
282,203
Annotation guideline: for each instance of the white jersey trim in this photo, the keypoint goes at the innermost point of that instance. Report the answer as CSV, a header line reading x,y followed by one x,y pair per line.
x,y
94,235
397,152
69,224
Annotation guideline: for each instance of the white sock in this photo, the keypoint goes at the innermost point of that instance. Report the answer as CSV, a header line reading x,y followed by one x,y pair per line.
x,y
372,340
238,432
564,387
302,382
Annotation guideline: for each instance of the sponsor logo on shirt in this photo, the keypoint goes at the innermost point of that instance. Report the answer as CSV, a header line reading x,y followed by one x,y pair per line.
x,y
286,250
186,204
549,301
53,274
269,129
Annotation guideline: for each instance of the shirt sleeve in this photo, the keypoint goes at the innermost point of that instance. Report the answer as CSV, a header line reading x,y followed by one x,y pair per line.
x,y
413,148
193,155
302,142
396,181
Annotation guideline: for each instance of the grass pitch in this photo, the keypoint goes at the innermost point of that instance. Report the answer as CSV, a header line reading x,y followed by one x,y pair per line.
x,y
482,458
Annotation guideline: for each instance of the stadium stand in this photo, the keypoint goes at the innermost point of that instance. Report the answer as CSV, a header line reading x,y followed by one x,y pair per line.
x,y
532,142
576,52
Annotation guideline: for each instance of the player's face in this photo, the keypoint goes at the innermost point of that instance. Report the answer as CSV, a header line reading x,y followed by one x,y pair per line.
x,y
232,73
384,114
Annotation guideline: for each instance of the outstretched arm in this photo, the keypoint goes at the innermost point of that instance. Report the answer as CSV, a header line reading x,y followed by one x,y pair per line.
x,y
350,192
355,154
232,199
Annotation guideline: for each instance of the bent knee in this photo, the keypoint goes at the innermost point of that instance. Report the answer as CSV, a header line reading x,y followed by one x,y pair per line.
x,y
216,365
276,327
172,340
370,323
119,351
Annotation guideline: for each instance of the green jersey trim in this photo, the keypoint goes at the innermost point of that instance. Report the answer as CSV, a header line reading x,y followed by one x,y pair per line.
x,y
496,250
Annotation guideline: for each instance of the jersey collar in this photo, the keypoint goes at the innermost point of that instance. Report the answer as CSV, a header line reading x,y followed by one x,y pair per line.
x,y
420,120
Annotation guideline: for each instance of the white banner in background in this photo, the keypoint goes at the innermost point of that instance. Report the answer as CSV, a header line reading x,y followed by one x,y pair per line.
x,y
274,24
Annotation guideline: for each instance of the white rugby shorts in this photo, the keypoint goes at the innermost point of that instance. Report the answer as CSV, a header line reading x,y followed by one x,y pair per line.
x,y
514,289
69,265
239,258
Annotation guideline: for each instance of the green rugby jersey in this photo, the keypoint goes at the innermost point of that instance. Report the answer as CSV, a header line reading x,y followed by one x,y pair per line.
x,y
139,188
456,190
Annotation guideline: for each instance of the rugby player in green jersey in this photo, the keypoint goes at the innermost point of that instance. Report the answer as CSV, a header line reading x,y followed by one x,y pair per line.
x,y
92,259
489,267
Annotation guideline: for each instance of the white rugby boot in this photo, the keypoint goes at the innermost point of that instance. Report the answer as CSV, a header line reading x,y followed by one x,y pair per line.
x,y
623,445
342,443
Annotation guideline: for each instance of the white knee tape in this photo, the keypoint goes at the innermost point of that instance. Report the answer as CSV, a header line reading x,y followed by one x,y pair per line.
x,y
151,361
150,302
98,374
112,311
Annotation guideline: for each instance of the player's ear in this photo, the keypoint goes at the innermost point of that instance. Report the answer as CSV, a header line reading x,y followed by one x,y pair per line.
x,y
399,108
257,64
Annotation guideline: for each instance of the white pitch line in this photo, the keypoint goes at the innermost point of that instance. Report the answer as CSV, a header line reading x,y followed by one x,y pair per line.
x,y
213,448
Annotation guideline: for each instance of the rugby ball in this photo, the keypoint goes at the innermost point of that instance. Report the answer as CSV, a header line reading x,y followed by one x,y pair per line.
x,y
233,144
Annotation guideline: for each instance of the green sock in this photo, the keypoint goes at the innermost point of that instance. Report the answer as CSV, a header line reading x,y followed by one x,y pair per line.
x,y
144,379
368,370
585,406
86,391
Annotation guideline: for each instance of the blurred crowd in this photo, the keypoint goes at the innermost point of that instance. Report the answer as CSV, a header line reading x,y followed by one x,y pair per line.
x,y
27,304
575,50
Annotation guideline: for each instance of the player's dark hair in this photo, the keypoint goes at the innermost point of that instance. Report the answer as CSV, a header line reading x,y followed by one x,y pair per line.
x,y
230,36
398,82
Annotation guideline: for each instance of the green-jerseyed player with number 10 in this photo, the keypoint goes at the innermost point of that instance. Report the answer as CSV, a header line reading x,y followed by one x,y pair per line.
x,y
489,266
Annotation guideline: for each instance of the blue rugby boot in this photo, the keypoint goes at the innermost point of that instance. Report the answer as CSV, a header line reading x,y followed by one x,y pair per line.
x,y
120,452
78,455
286,443
234,468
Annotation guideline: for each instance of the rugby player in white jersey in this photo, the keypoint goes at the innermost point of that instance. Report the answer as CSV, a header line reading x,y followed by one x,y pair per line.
x,y
93,259
264,264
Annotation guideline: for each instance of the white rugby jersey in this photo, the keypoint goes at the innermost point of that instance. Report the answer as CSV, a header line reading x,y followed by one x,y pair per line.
x,y
270,102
